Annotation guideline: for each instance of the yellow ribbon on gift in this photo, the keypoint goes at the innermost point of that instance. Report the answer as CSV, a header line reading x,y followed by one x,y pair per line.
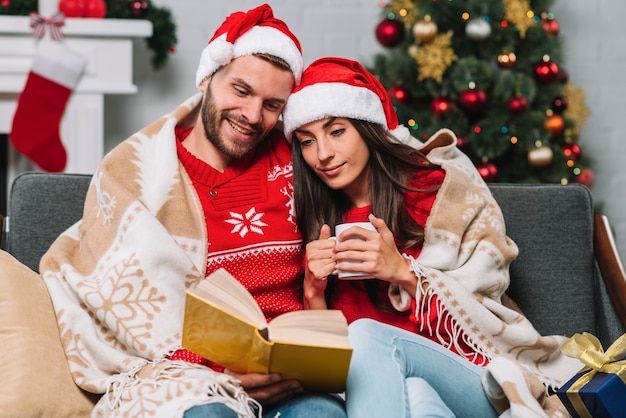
x,y
588,349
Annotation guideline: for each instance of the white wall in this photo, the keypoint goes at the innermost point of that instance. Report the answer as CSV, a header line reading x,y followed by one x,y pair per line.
x,y
595,58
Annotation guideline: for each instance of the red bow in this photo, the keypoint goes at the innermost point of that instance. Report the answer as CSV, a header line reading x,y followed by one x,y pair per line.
x,y
39,23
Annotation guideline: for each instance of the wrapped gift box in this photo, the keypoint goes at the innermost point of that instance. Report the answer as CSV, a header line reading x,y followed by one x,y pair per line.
x,y
604,396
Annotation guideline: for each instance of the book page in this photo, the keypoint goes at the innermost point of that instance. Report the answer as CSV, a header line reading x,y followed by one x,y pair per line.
x,y
311,327
222,289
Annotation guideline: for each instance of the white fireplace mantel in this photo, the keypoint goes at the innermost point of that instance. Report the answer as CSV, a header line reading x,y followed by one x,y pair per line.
x,y
107,44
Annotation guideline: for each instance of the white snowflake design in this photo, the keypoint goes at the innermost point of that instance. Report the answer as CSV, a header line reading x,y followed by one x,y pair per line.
x,y
249,222
106,202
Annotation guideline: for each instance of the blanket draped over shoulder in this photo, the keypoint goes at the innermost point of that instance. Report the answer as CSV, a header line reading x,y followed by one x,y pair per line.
x,y
118,277
465,262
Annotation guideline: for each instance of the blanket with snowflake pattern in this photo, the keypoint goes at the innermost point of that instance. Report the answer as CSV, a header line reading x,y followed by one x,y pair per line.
x,y
465,262
118,277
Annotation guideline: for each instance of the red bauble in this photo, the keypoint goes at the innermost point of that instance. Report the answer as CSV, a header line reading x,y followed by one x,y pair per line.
x,y
559,104
95,8
551,26
547,72
572,151
555,124
390,32
585,177
473,100
138,7
517,104
441,105
462,141
72,8
563,76
400,93
488,172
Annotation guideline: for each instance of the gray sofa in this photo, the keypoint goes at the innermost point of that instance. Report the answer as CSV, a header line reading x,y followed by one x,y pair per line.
x,y
556,280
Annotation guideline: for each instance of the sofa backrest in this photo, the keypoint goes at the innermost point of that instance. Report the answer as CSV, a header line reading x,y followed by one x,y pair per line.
x,y
40,207
555,280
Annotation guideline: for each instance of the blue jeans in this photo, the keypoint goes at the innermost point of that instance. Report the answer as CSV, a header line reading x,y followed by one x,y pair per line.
x,y
309,405
396,373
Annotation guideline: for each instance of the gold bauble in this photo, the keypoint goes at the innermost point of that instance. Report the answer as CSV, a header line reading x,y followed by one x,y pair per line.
x,y
507,60
425,31
540,156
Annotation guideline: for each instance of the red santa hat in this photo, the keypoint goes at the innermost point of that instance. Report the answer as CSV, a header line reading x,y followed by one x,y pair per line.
x,y
343,88
247,33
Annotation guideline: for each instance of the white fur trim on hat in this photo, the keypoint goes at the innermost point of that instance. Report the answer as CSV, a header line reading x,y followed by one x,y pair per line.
x,y
322,100
259,39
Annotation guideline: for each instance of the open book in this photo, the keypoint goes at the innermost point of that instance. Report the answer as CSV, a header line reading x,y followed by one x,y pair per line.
x,y
224,324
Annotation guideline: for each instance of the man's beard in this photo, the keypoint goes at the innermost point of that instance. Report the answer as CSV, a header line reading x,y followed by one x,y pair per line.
x,y
212,118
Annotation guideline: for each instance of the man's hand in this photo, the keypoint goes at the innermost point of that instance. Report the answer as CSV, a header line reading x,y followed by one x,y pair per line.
x,y
267,389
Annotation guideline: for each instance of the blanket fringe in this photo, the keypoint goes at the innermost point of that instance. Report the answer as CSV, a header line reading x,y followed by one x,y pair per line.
x,y
423,300
223,389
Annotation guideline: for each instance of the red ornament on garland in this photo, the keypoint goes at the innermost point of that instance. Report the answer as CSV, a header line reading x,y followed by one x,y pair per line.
x,y
547,72
390,32
473,100
441,105
95,8
517,104
488,172
400,93
72,8
6,3
138,7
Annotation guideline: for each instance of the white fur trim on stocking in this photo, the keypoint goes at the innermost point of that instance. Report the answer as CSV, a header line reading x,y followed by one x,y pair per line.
x,y
58,63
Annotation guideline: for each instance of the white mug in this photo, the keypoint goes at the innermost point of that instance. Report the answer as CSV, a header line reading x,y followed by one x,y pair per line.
x,y
351,275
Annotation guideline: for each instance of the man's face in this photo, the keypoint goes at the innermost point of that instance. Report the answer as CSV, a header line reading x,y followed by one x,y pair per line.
x,y
242,103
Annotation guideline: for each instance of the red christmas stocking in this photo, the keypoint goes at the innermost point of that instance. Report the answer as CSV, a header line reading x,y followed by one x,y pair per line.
x,y
55,72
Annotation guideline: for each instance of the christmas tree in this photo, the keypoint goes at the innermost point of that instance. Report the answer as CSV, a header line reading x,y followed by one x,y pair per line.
x,y
492,71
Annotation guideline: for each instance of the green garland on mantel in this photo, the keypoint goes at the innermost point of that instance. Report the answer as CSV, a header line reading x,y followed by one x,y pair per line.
x,y
163,39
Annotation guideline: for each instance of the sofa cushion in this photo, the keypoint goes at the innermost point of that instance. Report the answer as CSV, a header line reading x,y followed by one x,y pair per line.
x,y
34,375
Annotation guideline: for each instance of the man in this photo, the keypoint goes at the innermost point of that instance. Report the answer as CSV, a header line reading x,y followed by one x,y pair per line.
x,y
204,187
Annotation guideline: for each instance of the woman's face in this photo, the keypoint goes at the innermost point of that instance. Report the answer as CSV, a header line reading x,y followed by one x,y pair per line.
x,y
337,153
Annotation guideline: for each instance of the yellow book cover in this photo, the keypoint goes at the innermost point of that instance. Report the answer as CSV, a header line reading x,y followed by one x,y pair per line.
x,y
224,324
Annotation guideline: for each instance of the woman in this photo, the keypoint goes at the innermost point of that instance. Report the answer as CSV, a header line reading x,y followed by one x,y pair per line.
x,y
440,255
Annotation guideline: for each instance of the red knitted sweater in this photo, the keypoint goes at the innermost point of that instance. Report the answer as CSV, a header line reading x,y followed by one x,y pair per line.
x,y
250,223
352,298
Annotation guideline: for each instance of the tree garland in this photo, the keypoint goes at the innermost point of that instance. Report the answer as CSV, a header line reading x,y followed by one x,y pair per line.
x,y
163,39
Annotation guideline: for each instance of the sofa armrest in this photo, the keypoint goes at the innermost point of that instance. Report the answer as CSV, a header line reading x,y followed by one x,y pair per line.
x,y
610,264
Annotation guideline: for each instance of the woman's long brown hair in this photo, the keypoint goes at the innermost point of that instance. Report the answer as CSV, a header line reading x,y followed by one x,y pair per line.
x,y
391,167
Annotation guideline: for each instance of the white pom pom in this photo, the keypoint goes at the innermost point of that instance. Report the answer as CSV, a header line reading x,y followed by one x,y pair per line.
x,y
221,51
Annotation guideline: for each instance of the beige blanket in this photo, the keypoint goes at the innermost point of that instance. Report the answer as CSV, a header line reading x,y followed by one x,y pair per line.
x,y
465,262
118,277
